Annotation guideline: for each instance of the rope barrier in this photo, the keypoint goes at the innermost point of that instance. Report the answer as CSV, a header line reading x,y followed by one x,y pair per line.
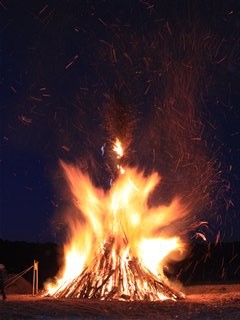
x,y
17,276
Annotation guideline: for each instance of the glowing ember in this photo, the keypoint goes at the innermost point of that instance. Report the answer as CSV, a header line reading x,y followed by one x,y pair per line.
x,y
117,248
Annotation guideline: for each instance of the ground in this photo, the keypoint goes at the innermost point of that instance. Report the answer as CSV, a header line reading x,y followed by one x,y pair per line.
x,y
203,302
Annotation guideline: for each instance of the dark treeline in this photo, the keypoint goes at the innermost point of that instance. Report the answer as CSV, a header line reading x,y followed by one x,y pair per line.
x,y
210,263
206,263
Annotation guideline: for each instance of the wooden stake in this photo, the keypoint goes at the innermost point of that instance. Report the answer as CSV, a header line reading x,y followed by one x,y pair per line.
x,y
35,278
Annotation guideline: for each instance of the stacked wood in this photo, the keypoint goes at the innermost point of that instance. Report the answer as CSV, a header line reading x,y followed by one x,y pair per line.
x,y
110,277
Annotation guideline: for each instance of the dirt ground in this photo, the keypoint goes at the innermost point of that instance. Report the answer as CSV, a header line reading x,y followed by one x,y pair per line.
x,y
201,303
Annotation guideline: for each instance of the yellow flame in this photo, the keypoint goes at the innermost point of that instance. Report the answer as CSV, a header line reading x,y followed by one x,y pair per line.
x,y
118,148
153,251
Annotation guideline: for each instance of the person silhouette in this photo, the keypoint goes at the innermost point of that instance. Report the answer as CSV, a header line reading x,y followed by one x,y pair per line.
x,y
2,281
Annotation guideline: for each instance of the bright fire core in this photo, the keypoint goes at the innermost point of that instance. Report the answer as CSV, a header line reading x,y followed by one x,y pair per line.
x,y
117,246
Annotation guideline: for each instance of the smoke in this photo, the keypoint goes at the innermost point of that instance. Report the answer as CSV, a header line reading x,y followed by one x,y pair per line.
x,y
151,85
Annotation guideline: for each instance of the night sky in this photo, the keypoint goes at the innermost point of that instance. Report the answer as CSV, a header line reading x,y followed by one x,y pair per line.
x,y
163,76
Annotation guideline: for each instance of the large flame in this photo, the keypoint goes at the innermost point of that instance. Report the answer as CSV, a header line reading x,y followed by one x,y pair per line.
x,y
123,214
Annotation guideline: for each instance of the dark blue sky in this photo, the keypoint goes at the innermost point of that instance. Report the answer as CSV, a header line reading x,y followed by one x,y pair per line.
x,y
163,75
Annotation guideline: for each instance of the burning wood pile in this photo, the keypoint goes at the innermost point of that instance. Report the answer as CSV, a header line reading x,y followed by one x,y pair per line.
x,y
118,248
111,276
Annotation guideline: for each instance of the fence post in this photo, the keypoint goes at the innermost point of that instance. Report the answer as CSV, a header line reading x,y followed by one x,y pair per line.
x,y
35,278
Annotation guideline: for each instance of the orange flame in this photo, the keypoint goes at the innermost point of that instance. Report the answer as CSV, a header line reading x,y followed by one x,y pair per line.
x,y
122,212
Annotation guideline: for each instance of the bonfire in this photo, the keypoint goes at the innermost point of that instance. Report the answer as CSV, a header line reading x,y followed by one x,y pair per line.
x,y
117,247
